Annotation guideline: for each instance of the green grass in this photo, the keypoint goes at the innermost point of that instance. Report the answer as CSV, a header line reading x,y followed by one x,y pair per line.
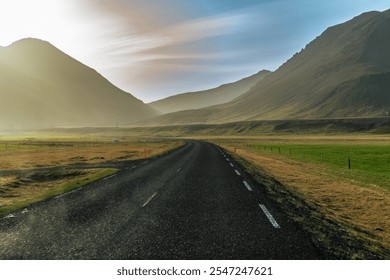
x,y
67,187
370,164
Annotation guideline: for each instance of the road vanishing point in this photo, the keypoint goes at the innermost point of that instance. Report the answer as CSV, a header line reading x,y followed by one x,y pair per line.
x,y
191,203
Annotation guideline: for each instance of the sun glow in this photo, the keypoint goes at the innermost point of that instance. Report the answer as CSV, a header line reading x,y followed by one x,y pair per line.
x,y
56,21
19,19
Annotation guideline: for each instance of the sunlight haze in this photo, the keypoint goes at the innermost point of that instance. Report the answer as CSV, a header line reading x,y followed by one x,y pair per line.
x,y
154,49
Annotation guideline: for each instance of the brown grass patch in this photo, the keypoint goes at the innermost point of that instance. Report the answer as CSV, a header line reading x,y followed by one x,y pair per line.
x,y
46,156
362,213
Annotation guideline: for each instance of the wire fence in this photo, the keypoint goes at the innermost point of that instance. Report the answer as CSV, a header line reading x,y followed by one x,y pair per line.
x,y
362,163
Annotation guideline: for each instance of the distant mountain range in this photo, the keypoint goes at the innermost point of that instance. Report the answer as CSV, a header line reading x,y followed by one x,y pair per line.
x,y
41,87
343,73
206,98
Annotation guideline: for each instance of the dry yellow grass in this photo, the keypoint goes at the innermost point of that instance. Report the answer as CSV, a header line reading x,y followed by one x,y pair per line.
x,y
366,210
38,156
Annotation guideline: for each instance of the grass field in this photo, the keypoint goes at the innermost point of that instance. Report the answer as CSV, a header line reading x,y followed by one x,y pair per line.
x,y
24,154
366,164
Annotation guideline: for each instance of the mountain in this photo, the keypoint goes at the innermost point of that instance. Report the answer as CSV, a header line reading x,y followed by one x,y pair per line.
x,y
42,87
345,72
206,98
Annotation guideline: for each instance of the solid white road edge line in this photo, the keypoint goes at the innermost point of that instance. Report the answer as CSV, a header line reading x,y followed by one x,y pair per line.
x,y
269,216
149,199
247,186
238,173
109,177
64,194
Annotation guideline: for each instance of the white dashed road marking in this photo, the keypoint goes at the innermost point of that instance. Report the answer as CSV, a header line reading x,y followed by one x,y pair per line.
x,y
145,162
238,173
269,216
149,199
9,216
231,164
247,186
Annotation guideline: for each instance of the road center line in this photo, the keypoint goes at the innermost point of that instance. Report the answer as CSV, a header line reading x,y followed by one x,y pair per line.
x,y
238,173
145,162
247,186
269,216
149,199
231,164
227,159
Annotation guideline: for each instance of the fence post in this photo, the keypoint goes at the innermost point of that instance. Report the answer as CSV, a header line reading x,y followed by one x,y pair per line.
x,y
322,159
279,150
349,163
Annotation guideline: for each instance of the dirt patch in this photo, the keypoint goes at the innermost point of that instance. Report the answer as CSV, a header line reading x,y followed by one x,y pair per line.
x,y
345,220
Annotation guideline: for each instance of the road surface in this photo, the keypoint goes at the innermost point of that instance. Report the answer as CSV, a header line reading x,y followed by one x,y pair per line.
x,y
193,203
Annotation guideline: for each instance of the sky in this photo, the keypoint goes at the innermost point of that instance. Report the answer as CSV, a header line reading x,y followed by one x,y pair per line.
x,y
157,48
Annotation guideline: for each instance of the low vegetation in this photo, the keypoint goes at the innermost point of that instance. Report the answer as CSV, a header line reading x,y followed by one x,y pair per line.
x,y
19,154
366,165
345,210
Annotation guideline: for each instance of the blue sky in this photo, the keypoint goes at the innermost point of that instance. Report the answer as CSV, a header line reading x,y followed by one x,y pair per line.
x,y
157,48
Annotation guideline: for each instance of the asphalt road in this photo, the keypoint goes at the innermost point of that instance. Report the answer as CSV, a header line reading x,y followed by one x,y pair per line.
x,y
193,203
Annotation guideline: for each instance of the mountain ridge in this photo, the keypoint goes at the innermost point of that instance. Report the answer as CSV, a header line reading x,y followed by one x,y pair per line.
x,y
43,87
205,98
344,72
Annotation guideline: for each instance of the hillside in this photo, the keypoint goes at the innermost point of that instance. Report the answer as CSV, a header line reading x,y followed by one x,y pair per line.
x,y
206,98
345,72
42,87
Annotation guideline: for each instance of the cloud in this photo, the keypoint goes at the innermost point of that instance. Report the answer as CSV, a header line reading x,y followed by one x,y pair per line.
x,y
139,42
155,48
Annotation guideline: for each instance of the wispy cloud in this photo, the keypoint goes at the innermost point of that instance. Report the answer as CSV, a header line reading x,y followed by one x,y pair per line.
x,y
155,48
163,40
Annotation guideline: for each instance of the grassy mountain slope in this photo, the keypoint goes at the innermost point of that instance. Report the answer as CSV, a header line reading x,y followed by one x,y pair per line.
x,y
206,98
42,87
345,72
